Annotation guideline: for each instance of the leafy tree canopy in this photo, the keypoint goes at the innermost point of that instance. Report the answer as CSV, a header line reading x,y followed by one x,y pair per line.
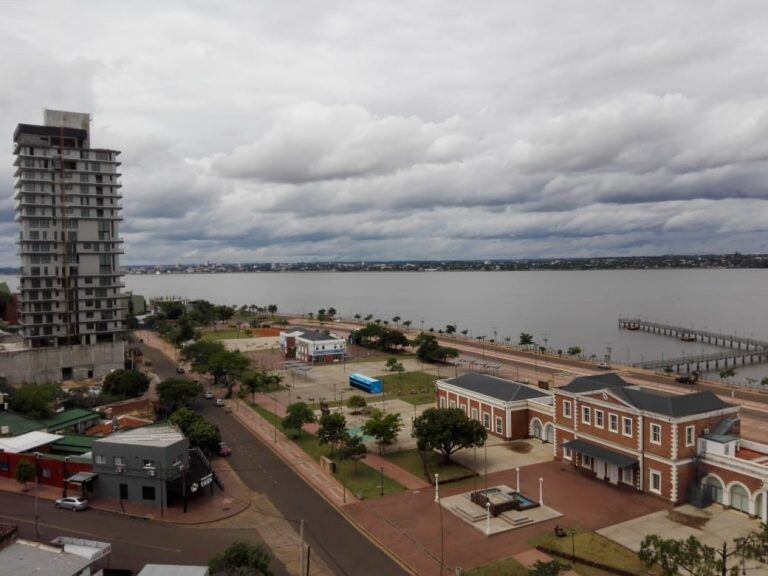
x,y
34,401
356,402
241,559
447,430
25,472
383,427
298,414
333,428
429,350
175,392
126,383
526,339
204,435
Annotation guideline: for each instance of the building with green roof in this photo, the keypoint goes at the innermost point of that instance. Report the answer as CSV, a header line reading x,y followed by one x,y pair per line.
x,y
73,444
76,420
12,424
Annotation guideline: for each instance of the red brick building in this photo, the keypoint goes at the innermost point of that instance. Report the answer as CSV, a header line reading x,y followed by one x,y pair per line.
x,y
507,409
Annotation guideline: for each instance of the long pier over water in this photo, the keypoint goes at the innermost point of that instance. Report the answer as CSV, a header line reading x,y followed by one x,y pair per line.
x,y
742,350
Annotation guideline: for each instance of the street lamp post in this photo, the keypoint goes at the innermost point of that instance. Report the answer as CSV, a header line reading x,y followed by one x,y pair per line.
x,y
487,518
541,491
437,487
517,472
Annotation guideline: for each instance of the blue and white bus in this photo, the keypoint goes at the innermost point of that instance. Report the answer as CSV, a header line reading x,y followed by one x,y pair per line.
x,y
366,384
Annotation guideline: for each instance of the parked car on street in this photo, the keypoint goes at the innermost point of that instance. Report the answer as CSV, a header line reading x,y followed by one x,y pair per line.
x,y
219,402
74,503
603,365
179,370
208,395
224,449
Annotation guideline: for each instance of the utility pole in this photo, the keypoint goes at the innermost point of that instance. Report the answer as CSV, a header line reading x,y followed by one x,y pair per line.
x,y
301,547
37,489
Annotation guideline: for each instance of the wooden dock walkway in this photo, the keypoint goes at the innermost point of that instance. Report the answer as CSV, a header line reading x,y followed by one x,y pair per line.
x,y
703,336
741,350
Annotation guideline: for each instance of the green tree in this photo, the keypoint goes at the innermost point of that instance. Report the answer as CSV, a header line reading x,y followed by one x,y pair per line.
x,y
184,418
298,414
331,312
407,324
332,429
272,309
393,365
321,315
25,471
574,351
383,427
242,559
447,430
727,373
126,383
368,318
450,329
255,382
697,559
175,392
226,367
33,401
198,353
764,381
428,349
355,403
352,448
204,435
396,320
525,339
357,317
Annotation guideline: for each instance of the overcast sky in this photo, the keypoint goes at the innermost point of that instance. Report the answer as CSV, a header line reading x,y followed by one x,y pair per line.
x,y
284,131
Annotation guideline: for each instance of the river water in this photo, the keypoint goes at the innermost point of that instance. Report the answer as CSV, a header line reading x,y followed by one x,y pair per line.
x,y
567,308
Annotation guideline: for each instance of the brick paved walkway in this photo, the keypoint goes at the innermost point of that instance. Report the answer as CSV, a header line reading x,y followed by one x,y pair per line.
x,y
397,474
410,524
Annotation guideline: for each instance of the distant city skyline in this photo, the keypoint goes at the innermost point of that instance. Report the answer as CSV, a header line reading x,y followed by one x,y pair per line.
x,y
312,132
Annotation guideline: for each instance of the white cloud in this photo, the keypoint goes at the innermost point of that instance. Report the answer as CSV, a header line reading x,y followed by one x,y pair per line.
x,y
391,130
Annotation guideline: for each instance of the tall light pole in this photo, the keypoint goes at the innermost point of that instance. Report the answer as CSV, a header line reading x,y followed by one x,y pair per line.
x,y
487,518
437,487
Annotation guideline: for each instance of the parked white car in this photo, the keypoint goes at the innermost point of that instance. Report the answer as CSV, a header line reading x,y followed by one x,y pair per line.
x,y
208,395
74,503
219,402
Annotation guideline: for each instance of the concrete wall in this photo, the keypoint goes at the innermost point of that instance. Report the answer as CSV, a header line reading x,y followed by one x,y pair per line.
x,y
45,364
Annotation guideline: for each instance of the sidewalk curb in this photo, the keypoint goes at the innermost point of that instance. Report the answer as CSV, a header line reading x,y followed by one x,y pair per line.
x,y
340,509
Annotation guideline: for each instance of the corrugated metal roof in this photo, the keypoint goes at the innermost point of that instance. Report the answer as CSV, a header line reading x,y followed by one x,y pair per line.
x,y
499,388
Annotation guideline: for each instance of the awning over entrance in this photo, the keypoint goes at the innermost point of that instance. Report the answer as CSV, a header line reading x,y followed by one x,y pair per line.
x,y
600,453
81,477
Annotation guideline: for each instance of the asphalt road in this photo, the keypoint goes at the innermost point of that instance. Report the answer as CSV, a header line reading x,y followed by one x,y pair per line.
x,y
339,544
345,550
135,542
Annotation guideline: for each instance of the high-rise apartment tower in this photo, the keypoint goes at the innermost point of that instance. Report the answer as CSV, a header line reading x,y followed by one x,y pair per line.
x,y
68,208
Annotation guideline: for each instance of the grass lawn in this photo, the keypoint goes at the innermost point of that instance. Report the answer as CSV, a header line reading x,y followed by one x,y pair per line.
x,y
224,335
410,460
594,547
363,481
506,567
412,387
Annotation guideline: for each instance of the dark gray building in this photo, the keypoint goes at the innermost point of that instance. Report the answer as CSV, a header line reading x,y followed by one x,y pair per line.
x,y
153,465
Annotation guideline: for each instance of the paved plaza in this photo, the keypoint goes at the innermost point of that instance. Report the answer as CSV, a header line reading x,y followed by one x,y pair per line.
x,y
711,526
476,516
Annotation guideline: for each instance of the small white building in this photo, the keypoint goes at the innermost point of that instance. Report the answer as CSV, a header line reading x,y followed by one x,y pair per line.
x,y
312,347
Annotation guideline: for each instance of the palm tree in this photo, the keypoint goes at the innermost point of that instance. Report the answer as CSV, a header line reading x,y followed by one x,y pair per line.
x,y
357,317
464,332
407,323
396,320
369,317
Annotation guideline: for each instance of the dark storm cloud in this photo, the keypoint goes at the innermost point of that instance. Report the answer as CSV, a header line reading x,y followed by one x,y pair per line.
x,y
390,130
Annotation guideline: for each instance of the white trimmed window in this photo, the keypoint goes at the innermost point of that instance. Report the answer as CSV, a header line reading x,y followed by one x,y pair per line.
x,y
100,459
599,418
442,401
655,434
499,427
567,453
586,461
118,461
690,435
655,482
452,404
626,426
487,420
613,422
464,408
586,414
567,408
474,413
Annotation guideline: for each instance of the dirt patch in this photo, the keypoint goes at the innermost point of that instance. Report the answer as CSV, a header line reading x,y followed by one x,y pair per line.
x,y
689,520
520,447
262,332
